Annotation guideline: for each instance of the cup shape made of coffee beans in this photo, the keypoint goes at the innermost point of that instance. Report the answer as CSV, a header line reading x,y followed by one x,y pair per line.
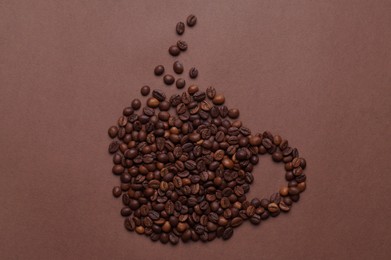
x,y
185,165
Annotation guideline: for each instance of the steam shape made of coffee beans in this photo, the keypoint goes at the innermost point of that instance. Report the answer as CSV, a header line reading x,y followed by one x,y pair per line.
x,y
185,162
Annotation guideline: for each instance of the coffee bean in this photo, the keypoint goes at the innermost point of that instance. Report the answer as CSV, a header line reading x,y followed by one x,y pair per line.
x,y
145,90
211,92
168,79
228,232
180,83
283,206
284,191
273,207
113,147
277,156
182,45
136,104
159,70
193,73
191,20
159,95
301,186
233,113
117,191
236,222
178,67
255,219
180,28
218,99
113,131
174,50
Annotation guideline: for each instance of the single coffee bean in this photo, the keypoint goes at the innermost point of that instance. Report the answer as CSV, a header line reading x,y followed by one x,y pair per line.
x,y
277,140
136,104
117,191
159,95
182,45
180,83
236,222
153,102
277,156
113,131
284,191
218,99
228,232
145,90
168,79
211,92
256,219
180,28
178,67
273,207
174,50
284,207
301,186
193,73
159,70
233,113
126,211
191,20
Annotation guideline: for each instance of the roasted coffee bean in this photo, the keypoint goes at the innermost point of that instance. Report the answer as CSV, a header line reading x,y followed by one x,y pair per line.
x,y
174,50
236,222
117,191
219,99
191,20
159,95
273,207
233,113
182,45
113,131
168,79
136,104
113,147
255,219
193,73
277,156
153,102
180,83
159,70
145,90
180,28
228,232
177,67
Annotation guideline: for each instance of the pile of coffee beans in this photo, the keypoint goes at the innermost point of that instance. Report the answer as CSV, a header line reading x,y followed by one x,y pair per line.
x,y
185,164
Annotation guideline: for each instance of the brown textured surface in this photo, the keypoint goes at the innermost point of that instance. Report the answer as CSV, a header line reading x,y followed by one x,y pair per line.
x,y
317,72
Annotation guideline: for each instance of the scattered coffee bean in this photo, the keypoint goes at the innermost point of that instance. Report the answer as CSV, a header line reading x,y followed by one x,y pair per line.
x,y
191,20
180,28
113,131
178,67
180,83
193,73
145,90
136,104
168,79
159,70
218,99
174,50
182,45
233,113
117,191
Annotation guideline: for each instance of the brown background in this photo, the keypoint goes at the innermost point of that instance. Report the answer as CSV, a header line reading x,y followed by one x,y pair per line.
x,y
317,72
